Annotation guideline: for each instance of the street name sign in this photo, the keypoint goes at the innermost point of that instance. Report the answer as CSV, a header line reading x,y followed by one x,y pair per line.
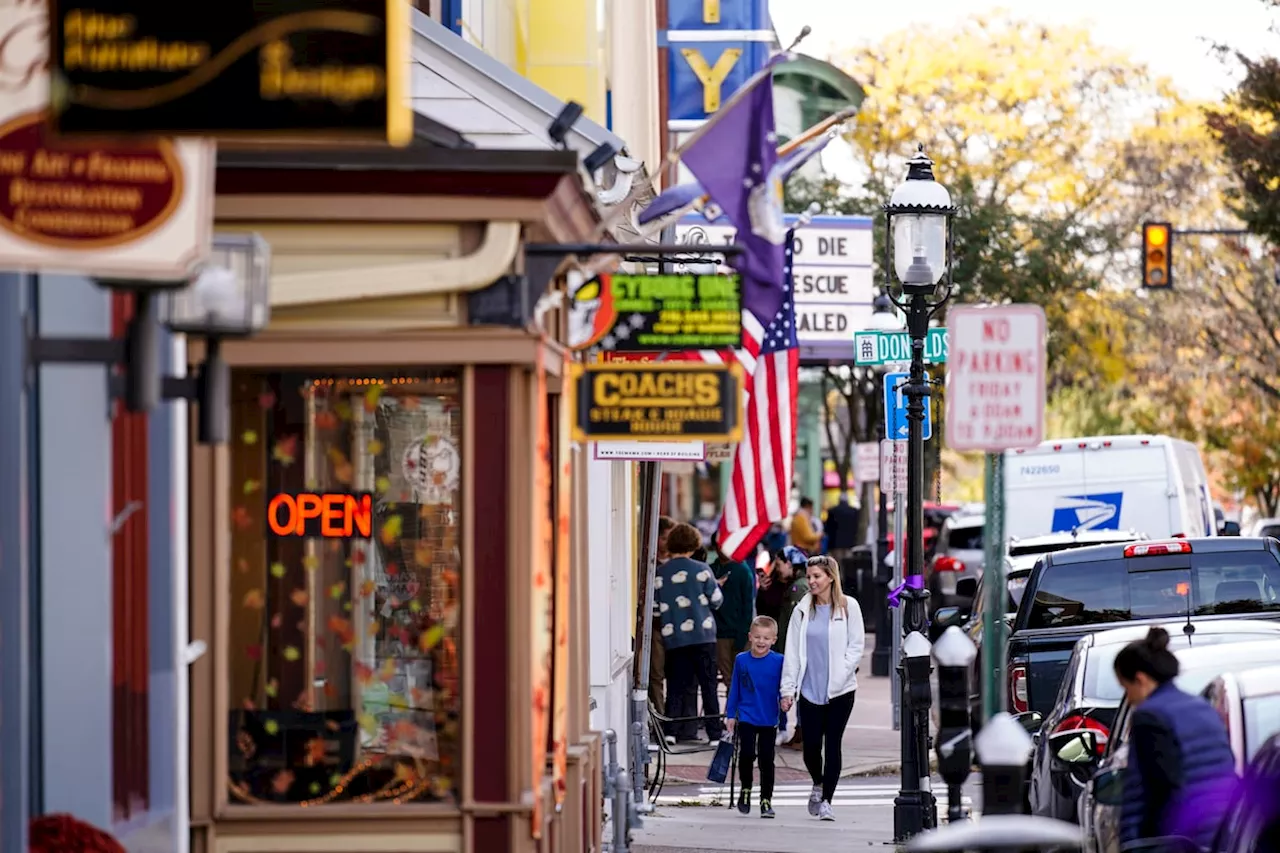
x,y
130,207
872,349
866,462
667,401
833,270
896,425
996,377
893,467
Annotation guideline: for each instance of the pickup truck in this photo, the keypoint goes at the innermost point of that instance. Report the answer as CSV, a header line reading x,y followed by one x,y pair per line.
x,y
1076,592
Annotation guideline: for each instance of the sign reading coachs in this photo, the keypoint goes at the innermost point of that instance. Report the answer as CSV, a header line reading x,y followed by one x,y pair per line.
x,y
334,67
656,400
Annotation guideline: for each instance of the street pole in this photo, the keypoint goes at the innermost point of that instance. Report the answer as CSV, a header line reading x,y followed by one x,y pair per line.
x,y
881,655
899,534
914,809
994,685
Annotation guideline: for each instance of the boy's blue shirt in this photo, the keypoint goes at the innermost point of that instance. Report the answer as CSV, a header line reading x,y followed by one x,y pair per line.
x,y
755,689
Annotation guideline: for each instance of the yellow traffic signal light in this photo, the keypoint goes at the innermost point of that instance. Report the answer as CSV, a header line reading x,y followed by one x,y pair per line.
x,y
1157,262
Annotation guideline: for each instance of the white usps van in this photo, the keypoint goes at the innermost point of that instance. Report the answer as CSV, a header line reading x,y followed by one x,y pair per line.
x,y
1150,484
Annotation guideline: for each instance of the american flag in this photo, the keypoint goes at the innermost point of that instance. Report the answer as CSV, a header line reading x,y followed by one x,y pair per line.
x,y
764,462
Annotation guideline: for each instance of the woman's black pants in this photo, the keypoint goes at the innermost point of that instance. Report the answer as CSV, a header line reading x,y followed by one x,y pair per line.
x,y
823,727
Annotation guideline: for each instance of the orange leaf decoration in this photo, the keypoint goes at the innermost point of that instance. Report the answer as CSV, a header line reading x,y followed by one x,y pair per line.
x,y
286,450
364,673
341,628
337,590
316,749
299,597
371,398
423,554
387,671
330,690
374,627
405,730
391,530
242,565
282,781
241,519
277,620
327,420
254,599
266,399
367,589
344,473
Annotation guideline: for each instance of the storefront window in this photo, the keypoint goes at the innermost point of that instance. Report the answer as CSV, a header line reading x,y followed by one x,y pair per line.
x,y
343,659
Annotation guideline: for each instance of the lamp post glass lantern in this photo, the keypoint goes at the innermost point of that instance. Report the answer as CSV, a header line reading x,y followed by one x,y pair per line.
x,y
918,249
230,296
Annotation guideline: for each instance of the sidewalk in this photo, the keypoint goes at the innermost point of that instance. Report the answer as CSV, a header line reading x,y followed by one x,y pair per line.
x,y
871,746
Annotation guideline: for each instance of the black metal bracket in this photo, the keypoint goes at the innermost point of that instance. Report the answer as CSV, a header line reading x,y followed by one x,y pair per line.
x,y
110,353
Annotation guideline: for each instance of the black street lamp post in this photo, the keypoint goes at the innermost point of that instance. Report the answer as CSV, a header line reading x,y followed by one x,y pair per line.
x,y
918,246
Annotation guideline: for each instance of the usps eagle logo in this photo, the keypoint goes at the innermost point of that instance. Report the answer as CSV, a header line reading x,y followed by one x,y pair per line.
x,y
764,207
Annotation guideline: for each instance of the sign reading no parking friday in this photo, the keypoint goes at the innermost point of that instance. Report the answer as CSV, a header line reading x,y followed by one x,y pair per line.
x,y
656,400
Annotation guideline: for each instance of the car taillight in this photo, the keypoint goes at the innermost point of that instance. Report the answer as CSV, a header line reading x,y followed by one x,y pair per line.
x,y
1079,722
1153,549
948,564
1018,688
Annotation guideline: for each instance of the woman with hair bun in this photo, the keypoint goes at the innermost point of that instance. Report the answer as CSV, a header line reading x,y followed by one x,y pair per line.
x,y
1181,772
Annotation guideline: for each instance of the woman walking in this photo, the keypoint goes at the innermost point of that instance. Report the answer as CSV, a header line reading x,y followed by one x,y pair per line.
x,y
1181,771
824,645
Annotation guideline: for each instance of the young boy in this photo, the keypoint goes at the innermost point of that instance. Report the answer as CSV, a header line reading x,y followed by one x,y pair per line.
x,y
752,710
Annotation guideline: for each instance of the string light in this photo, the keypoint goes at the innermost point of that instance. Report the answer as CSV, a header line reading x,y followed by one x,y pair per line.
x,y
398,794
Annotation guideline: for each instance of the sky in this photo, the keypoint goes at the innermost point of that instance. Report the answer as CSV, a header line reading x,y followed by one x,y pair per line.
x,y
1172,42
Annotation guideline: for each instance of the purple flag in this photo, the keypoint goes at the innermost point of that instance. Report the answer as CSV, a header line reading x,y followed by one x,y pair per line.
x,y
670,201
735,159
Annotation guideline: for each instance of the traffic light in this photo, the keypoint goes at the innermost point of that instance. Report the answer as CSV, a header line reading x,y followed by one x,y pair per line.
x,y
1157,262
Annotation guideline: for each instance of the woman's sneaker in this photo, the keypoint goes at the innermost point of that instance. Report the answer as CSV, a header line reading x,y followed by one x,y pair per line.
x,y
825,812
766,809
815,800
744,801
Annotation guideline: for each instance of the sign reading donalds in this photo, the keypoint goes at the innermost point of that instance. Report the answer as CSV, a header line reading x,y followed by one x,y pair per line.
x,y
656,400
137,207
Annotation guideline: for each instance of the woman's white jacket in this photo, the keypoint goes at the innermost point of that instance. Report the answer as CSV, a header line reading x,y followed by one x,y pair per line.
x,y
846,637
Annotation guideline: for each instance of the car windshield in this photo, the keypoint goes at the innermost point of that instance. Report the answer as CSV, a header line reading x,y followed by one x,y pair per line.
x,y
965,539
1272,530
1100,684
1119,590
1261,721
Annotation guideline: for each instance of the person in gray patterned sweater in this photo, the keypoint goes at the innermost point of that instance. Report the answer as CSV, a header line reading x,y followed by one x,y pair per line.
x,y
687,592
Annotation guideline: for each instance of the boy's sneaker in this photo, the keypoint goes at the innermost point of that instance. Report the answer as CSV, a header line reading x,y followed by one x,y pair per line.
x,y
744,801
766,809
815,800
825,812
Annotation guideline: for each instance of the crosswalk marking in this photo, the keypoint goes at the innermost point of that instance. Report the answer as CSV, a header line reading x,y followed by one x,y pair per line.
x,y
788,794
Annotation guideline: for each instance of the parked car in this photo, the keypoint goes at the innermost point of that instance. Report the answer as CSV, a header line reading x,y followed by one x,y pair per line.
x,y
1266,527
1099,807
1249,703
1253,822
958,557
1089,698
1085,590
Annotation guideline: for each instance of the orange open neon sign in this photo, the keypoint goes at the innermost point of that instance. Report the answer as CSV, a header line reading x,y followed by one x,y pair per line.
x,y
329,516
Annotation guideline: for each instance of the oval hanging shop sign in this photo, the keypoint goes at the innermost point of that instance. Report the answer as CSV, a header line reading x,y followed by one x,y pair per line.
x,y
83,196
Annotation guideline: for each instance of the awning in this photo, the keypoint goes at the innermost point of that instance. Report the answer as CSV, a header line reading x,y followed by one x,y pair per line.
x,y
458,85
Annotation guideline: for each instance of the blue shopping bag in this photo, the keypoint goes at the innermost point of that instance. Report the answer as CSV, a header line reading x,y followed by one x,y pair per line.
x,y
719,769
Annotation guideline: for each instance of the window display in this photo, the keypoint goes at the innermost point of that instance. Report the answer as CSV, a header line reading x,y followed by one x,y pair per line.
x,y
343,658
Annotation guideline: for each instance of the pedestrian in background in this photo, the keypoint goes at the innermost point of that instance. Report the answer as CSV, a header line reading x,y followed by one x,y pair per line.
x,y
842,529
687,593
823,651
733,618
1180,775
752,709
804,532
657,656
